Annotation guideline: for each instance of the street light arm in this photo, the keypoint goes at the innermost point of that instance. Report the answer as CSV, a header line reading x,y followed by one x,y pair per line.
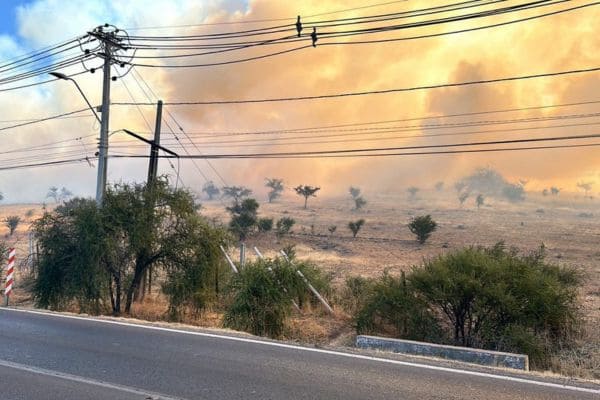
x,y
66,78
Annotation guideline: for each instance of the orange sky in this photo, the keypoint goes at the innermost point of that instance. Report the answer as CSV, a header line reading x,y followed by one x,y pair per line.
x,y
562,42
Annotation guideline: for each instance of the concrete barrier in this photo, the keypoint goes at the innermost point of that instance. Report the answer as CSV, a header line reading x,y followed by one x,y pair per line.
x,y
464,354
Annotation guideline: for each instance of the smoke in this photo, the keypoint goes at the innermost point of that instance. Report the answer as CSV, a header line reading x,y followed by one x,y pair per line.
x,y
550,44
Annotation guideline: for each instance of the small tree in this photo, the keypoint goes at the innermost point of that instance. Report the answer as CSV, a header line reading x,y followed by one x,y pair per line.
x,y
332,229
479,200
359,203
355,226
243,218
462,197
306,191
412,192
211,190
422,226
459,186
53,193
585,186
439,186
64,195
545,192
554,190
12,222
276,186
283,226
236,193
354,192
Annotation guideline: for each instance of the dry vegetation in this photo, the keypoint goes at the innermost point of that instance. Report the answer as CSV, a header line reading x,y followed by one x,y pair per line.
x,y
568,225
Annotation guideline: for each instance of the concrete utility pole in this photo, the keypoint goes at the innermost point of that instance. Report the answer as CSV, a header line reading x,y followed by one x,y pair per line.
x,y
153,165
109,43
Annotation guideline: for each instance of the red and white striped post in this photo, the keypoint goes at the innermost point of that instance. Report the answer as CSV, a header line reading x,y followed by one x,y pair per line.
x,y
10,272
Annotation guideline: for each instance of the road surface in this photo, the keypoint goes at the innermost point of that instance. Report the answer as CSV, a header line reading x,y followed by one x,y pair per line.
x,y
45,356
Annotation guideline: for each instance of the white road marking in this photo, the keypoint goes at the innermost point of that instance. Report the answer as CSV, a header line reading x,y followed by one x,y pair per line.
x,y
321,351
79,379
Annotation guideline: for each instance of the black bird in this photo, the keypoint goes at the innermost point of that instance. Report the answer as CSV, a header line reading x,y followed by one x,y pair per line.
x,y
299,26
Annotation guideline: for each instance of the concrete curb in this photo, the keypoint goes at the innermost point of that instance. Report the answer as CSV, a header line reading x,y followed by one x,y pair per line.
x,y
464,354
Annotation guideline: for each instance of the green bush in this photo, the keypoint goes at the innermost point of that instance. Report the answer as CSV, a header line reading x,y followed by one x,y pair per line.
x,y
284,225
393,307
422,227
354,293
265,224
259,303
500,300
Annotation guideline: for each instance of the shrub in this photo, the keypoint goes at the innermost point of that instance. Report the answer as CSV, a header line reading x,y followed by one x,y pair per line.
x,y
243,217
354,294
392,307
332,229
259,303
422,226
355,226
283,226
265,224
412,192
500,300
29,213
514,192
479,200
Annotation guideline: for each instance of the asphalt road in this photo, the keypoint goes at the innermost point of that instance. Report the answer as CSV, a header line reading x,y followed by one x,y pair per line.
x,y
51,357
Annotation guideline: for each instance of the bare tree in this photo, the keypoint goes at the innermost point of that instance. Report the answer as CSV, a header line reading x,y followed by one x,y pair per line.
x,y
64,195
276,186
306,191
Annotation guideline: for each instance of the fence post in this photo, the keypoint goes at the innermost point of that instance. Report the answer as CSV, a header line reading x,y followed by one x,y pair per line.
x,y
231,264
311,287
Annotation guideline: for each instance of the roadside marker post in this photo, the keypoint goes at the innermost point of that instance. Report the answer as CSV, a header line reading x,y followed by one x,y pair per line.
x,y
10,272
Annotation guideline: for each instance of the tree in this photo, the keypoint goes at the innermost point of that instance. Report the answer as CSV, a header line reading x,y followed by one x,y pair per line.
x,y
359,201
459,186
53,193
99,255
276,186
479,200
422,226
12,222
545,192
332,229
439,186
243,218
585,186
355,226
462,197
306,191
412,192
236,192
554,190
211,190
64,195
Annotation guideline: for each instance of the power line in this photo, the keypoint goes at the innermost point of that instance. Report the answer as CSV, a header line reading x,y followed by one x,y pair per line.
x,y
370,92
36,121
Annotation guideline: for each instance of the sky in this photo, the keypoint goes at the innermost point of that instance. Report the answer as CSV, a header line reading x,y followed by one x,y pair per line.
x,y
566,41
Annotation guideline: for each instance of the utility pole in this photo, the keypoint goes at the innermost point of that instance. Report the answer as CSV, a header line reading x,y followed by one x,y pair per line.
x,y
153,165
109,41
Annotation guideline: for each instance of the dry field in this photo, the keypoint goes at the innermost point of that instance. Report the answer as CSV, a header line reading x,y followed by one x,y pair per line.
x,y
563,224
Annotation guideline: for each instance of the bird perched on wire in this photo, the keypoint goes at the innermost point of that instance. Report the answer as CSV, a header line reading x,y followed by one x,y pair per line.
x,y
298,26
313,36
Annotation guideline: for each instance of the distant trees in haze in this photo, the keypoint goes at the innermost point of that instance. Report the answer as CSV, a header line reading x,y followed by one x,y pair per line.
x,y
59,196
359,201
276,186
236,193
211,190
306,191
